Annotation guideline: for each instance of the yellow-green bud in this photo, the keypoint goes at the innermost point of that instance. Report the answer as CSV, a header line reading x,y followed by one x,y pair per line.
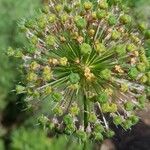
x,y
88,5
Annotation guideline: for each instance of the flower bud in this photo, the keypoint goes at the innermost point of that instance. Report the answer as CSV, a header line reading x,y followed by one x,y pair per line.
x,y
129,106
48,90
105,74
124,87
110,133
115,35
117,120
50,40
147,34
80,22
100,47
131,47
56,97
20,89
112,20
58,7
88,5
58,111
141,67
74,110
52,18
85,48
103,4
92,117
99,128
102,97
98,136
63,61
133,73
125,19
81,135
101,14
31,76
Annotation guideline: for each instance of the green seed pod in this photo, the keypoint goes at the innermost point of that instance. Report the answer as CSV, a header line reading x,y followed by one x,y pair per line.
x,y
74,78
100,47
94,15
45,9
43,121
142,26
80,22
68,120
120,49
124,87
143,79
105,74
113,108
133,73
112,20
20,89
51,18
81,135
115,35
129,106
102,97
142,99
87,5
58,111
56,97
34,40
92,117
67,8
127,124
134,119
117,120
98,136
42,21
32,76
50,40
59,7
147,34
99,128
47,74
30,24
63,61
64,17
70,128
85,48
131,47
110,133
10,51
105,107
103,4
141,67
48,90
74,110
125,19
101,14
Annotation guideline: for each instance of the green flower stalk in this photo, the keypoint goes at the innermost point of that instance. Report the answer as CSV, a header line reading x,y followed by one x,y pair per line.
x,y
88,60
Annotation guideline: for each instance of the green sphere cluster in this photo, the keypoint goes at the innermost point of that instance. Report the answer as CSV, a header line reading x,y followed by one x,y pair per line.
x,y
89,61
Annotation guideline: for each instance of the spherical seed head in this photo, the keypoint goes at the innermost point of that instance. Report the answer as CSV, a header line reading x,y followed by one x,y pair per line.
x,y
87,59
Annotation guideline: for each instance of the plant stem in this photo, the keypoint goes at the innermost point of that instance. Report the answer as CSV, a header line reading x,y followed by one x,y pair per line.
x,y
85,119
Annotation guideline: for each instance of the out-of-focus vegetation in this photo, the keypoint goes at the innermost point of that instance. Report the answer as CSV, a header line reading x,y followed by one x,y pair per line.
x,y
11,12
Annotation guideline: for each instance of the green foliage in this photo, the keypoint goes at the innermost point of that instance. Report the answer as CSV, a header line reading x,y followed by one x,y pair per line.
x,y
29,139
1,145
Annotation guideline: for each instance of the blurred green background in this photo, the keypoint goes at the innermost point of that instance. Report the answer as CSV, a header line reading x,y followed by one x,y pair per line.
x,y
16,129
